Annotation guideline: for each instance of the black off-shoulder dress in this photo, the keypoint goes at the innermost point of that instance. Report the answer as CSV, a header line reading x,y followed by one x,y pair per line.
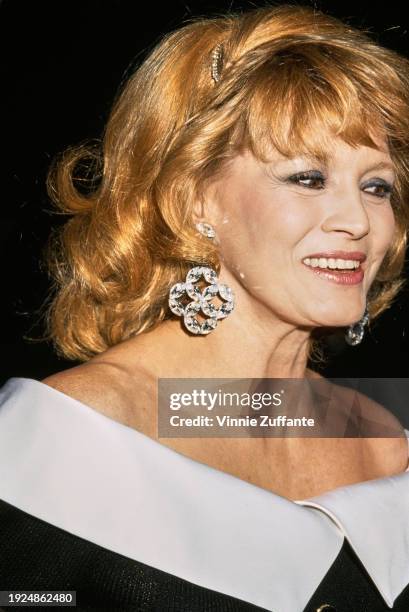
x,y
93,506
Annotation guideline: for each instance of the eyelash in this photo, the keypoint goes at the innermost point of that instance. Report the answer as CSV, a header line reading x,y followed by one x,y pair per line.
x,y
314,176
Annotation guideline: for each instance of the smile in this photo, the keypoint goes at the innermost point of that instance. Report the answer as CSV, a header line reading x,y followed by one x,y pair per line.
x,y
340,271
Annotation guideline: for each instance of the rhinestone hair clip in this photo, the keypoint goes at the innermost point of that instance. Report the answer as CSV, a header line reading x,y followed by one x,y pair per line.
x,y
217,61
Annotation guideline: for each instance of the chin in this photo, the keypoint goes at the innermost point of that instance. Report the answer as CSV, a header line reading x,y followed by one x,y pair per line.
x,y
340,321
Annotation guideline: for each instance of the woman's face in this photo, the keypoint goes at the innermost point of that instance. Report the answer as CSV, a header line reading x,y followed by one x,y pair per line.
x,y
270,217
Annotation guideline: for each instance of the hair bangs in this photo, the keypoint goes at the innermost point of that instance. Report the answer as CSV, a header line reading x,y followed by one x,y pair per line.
x,y
298,107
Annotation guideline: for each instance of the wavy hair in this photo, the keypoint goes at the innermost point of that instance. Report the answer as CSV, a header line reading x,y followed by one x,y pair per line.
x,y
289,71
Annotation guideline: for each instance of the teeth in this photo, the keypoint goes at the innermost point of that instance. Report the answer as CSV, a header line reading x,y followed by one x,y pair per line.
x,y
333,264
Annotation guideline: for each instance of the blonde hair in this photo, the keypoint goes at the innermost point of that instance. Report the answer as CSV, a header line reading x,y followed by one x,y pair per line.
x,y
288,72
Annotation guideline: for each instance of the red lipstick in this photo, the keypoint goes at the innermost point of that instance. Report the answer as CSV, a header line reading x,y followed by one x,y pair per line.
x,y
340,277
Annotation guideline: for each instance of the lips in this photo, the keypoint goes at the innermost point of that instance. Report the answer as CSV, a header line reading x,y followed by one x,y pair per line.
x,y
340,277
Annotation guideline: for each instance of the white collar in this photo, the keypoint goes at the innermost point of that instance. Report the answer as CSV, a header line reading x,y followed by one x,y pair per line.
x,y
75,468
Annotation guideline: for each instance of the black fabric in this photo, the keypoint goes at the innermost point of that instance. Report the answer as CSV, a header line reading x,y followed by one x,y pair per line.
x,y
35,555
348,587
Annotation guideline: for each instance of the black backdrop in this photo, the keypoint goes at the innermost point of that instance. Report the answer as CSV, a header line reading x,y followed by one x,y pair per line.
x,y
62,64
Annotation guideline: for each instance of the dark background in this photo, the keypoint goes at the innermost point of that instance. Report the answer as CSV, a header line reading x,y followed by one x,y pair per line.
x,y
62,65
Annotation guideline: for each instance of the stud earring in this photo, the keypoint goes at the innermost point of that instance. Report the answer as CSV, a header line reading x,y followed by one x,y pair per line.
x,y
206,229
356,331
201,299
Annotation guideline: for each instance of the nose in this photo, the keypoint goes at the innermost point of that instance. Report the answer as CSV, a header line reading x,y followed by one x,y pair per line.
x,y
347,213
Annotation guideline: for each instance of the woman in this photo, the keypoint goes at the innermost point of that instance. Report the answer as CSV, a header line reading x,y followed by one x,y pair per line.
x,y
253,196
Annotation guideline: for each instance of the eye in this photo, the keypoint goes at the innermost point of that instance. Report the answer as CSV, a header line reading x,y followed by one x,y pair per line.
x,y
386,188
309,179
313,177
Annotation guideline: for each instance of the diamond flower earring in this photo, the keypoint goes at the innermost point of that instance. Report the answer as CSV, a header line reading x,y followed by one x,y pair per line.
x,y
201,299
356,331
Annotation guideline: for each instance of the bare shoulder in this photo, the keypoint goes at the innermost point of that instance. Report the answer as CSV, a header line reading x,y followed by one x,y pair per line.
x,y
106,386
379,431
361,408
365,409
383,433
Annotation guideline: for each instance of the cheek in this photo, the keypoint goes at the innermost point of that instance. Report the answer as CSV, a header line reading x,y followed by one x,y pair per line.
x,y
260,229
276,220
383,228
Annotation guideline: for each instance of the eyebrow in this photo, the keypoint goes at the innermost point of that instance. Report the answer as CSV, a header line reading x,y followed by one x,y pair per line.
x,y
381,165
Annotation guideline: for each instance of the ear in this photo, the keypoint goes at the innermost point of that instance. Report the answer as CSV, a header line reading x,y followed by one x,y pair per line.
x,y
199,211
206,208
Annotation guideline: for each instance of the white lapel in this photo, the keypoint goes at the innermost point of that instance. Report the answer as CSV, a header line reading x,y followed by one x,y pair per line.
x,y
374,517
